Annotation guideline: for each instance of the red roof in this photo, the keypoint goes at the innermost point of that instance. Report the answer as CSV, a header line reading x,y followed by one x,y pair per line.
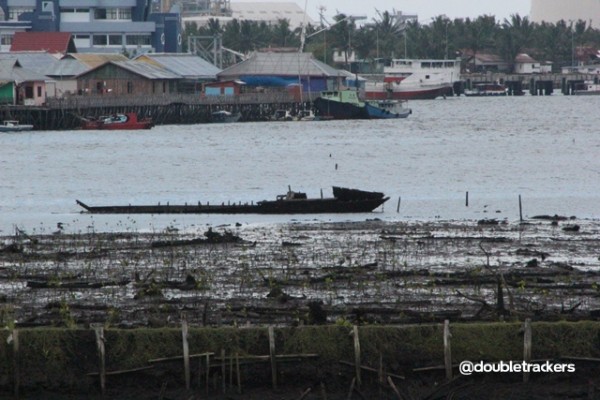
x,y
52,42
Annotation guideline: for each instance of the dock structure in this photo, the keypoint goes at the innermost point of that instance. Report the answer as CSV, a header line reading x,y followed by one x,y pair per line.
x,y
67,113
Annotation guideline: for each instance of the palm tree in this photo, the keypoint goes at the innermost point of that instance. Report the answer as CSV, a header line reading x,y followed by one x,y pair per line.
x,y
516,35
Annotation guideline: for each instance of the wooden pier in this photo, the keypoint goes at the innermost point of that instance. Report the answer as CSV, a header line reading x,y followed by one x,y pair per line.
x,y
67,113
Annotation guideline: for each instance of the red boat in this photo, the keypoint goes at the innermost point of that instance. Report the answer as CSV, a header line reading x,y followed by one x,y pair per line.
x,y
117,121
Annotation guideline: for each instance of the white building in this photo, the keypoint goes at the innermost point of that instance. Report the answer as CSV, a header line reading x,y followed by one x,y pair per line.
x,y
264,11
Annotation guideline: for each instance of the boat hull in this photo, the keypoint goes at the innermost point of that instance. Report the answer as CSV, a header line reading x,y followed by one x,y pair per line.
x,y
408,94
127,121
339,110
310,206
375,112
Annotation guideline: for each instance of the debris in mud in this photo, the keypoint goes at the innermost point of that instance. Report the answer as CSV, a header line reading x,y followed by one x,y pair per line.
x,y
211,238
571,228
391,272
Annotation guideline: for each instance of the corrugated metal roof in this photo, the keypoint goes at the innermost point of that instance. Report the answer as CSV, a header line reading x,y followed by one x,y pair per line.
x,y
280,64
67,67
94,60
146,70
11,70
38,61
188,66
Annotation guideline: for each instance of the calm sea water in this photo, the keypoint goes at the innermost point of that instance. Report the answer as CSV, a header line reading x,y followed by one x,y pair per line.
x,y
546,149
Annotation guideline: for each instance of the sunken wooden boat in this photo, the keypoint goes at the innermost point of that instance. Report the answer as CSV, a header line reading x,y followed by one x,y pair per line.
x,y
344,201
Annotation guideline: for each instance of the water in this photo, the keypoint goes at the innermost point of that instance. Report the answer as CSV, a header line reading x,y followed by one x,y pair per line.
x,y
545,149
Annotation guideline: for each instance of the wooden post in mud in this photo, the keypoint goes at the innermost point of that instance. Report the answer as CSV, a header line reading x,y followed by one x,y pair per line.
x,y
520,210
237,373
467,200
207,372
447,350
16,363
223,371
186,350
99,331
398,206
527,347
356,355
272,356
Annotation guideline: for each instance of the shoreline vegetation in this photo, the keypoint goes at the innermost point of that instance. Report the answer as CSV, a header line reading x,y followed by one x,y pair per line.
x,y
298,306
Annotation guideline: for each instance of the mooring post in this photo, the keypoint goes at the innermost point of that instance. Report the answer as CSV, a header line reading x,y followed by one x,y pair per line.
x,y
16,363
99,331
186,350
223,371
398,206
447,350
207,372
527,347
467,200
237,373
357,355
272,356
520,210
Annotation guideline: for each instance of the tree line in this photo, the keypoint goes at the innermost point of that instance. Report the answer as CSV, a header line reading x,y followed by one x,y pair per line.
x,y
385,37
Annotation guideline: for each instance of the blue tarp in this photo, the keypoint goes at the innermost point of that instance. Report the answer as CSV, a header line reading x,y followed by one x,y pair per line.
x,y
269,81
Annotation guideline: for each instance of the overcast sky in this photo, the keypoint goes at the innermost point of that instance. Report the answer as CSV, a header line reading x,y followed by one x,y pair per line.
x,y
425,9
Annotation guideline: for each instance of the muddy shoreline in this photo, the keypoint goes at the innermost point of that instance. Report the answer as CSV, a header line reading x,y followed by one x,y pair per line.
x,y
370,272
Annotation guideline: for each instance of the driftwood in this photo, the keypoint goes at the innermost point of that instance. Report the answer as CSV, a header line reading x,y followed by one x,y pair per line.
x,y
365,368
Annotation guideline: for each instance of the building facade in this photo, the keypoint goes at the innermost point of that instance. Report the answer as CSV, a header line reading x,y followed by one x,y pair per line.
x,y
96,25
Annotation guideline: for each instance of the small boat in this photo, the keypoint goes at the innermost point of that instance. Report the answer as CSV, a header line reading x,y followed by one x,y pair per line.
x,y
344,200
387,109
345,104
487,89
117,121
305,115
341,104
587,88
282,115
14,126
224,116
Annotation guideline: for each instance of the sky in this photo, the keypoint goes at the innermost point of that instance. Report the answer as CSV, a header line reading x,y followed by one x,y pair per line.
x,y
425,9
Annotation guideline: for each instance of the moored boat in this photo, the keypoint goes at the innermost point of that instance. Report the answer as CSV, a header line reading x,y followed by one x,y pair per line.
x,y
117,122
341,104
224,116
487,89
387,109
408,79
344,201
14,126
587,88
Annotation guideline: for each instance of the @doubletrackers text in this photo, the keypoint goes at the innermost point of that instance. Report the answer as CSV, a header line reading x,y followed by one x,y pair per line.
x,y
469,367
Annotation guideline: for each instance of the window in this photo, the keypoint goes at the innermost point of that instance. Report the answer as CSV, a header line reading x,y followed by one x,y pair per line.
x,y
129,87
39,90
15,12
164,87
115,39
99,40
141,40
99,87
29,92
125,13
6,40
111,13
100,13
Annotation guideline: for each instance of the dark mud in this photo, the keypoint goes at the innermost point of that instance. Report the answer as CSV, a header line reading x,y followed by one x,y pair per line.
x,y
369,272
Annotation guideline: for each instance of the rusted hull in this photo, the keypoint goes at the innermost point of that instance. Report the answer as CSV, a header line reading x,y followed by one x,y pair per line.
x,y
309,206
